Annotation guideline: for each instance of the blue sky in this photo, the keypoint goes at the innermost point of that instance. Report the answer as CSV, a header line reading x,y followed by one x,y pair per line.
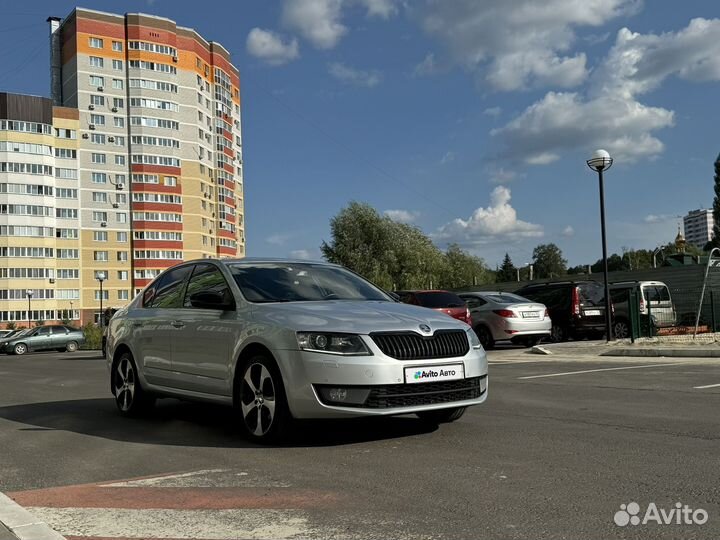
x,y
471,119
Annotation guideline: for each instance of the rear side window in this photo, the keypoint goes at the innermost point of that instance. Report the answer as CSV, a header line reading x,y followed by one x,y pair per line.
x,y
59,330
591,294
474,301
439,300
506,298
206,278
169,289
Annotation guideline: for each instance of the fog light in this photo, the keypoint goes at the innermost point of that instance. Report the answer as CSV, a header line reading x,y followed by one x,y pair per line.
x,y
337,394
346,395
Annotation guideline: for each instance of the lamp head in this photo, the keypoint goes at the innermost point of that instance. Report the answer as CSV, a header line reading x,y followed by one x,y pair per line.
x,y
600,160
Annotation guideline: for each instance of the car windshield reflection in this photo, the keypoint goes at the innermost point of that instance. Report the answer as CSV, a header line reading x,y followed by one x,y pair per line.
x,y
302,282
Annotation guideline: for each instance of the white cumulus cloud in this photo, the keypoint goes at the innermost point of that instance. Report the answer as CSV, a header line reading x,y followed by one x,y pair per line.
x,y
497,222
568,231
402,216
357,77
609,114
270,47
318,21
519,43
301,254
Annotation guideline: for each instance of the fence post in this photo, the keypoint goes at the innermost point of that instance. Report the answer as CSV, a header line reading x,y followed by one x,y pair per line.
x,y
632,307
650,323
712,311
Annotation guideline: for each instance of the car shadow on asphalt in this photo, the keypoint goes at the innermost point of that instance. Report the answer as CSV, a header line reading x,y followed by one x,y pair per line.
x,y
178,423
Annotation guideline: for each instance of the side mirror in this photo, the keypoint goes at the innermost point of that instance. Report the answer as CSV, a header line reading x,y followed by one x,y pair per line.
x,y
210,300
394,296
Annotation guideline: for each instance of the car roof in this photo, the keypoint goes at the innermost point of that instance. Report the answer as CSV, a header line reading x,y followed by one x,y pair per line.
x,y
552,283
638,282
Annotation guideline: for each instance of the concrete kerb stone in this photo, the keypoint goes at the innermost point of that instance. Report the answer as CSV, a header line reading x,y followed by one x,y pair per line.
x,y
23,524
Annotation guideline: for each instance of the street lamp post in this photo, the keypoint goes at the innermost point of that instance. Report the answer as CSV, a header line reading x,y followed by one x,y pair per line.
x,y
601,161
101,277
29,296
71,311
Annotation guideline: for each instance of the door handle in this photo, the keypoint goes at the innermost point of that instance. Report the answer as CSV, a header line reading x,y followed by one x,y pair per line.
x,y
178,324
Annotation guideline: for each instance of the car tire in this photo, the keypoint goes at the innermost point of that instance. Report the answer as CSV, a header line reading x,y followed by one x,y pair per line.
x,y
596,335
621,329
261,401
71,346
485,337
20,349
131,398
558,334
442,416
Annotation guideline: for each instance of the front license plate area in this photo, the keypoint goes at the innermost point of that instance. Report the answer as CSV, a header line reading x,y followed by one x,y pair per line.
x,y
445,372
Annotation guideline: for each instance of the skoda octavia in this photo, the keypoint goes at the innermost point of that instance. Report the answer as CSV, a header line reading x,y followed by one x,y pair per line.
x,y
282,340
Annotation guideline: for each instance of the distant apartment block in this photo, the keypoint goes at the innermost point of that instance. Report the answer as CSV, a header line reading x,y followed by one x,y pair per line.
x,y
133,165
698,225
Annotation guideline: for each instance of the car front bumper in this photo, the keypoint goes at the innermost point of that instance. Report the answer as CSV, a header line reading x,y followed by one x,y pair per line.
x,y
307,377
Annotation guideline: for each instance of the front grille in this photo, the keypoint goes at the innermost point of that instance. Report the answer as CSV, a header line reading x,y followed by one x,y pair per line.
x,y
412,346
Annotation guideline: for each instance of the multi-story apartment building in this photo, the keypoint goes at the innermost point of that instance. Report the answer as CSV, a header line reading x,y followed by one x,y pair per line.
x,y
39,206
134,165
698,226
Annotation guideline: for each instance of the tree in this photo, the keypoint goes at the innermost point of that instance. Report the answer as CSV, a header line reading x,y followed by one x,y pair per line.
x,y
548,261
715,241
575,270
507,271
462,269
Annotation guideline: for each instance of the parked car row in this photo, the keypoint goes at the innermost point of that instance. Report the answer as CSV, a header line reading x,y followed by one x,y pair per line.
x,y
554,310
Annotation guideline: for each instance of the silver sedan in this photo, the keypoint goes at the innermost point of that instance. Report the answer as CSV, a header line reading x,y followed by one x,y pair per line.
x,y
502,316
280,340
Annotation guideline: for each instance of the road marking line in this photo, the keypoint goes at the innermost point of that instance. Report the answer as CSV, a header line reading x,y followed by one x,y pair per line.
x,y
158,480
505,362
602,369
706,386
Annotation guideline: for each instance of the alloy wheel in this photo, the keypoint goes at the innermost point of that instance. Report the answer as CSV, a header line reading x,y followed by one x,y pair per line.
x,y
258,399
621,330
124,384
20,348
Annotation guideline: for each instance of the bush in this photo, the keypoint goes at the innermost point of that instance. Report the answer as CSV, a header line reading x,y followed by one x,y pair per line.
x,y
93,336
11,325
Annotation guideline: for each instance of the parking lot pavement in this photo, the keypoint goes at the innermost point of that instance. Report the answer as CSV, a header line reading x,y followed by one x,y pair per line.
x,y
560,445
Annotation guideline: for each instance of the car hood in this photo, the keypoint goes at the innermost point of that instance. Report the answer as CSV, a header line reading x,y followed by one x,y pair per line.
x,y
359,317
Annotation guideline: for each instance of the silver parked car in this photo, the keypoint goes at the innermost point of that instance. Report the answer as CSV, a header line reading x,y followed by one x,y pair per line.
x,y
290,339
502,316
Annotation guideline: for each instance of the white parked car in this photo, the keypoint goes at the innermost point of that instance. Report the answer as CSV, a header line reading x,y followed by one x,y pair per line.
x,y
290,339
503,316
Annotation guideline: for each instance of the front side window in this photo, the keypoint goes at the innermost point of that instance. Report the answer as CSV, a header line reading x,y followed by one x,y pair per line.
x,y
207,278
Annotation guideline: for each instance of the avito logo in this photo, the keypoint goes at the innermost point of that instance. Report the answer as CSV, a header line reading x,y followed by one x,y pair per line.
x,y
430,374
629,514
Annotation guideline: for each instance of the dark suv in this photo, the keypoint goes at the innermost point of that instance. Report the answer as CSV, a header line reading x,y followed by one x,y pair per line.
x,y
577,309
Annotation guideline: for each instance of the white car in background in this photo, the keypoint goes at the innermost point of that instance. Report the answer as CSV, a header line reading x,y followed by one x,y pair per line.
x,y
502,316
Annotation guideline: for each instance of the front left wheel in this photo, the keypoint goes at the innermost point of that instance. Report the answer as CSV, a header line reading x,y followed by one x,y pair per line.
x,y
260,398
130,397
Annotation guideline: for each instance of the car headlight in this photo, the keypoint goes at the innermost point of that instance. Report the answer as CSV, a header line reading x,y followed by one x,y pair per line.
x,y
474,341
331,343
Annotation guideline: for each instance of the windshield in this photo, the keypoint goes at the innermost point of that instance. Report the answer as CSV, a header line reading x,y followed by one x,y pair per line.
x,y
283,282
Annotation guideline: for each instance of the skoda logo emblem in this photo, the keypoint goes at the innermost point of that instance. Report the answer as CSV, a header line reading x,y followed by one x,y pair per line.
x,y
425,328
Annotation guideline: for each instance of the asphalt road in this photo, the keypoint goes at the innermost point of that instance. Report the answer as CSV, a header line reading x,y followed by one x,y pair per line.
x,y
552,454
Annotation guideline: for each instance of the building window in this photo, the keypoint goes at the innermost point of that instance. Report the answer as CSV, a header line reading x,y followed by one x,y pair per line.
x,y
100,236
96,43
98,119
122,256
99,216
99,177
118,84
99,197
96,61
105,295
171,181
117,64
97,100
121,217
123,295
122,236
119,103
98,158
122,275
119,160
118,121
117,46
100,255
96,80
97,138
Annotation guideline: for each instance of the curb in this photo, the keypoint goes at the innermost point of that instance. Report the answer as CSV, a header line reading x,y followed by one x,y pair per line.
x,y
660,352
23,524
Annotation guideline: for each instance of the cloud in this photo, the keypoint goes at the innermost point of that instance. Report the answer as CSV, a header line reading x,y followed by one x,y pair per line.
x,y
568,231
426,67
658,218
402,216
496,223
353,76
278,239
492,111
318,21
522,43
503,176
448,157
269,47
380,8
596,39
609,114
304,254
